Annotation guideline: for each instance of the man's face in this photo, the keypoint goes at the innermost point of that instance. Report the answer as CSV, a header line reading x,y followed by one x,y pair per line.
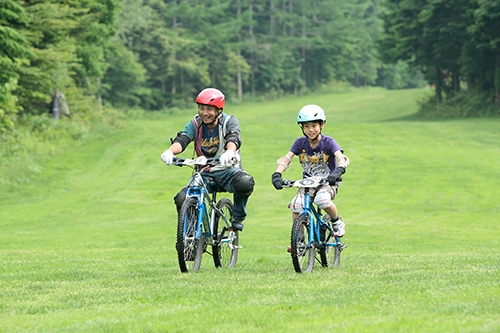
x,y
208,113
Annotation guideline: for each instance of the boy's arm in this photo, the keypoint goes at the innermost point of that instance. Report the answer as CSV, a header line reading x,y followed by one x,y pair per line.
x,y
342,160
284,162
342,163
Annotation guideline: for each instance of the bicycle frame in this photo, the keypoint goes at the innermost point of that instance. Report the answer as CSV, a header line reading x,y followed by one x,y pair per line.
x,y
317,235
212,224
316,222
206,204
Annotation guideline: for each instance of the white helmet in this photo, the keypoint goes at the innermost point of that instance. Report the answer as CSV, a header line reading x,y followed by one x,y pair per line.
x,y
311,112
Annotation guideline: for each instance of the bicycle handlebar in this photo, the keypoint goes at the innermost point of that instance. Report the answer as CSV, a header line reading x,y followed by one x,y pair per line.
x,y
288,183
312,182
202,160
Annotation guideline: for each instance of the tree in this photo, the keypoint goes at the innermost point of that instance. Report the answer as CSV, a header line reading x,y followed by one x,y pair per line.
x,y
451,41
14,52
123,85
485,35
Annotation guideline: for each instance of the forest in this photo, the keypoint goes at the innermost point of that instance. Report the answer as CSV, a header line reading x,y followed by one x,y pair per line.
x,y
158,54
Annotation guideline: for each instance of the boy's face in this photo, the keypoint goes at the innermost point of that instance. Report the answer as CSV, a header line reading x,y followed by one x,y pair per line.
x,y
312,129
208,113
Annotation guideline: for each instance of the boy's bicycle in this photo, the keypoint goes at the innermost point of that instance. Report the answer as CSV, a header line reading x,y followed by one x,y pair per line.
x,y
204,222
312,237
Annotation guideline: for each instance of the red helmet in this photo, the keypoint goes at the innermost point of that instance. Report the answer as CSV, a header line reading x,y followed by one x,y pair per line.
x,y
211,96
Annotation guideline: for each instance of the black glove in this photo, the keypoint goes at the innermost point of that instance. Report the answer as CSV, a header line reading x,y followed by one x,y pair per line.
x,y
336,176
277,181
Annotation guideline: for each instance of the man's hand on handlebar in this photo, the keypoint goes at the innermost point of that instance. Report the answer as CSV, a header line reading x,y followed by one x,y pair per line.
x,y
226,159
167,157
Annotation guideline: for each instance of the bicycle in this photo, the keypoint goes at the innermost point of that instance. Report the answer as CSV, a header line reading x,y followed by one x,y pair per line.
x,y
203,221
312,238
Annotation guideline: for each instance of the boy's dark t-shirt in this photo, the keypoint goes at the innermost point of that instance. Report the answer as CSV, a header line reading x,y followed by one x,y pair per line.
x,y
317,162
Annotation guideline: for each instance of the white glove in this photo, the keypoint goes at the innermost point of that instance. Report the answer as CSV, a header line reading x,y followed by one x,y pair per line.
x,y
226,159
167,157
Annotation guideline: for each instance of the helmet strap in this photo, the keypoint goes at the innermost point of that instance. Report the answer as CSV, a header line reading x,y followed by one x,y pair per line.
x,y
315,139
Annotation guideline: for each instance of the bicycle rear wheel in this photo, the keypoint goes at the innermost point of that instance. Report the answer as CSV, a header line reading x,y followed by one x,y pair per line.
x,y
329,255
189,247
302,256
225,250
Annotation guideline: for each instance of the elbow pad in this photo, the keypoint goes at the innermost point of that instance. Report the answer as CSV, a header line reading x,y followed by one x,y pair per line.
x,y
234,137
182,139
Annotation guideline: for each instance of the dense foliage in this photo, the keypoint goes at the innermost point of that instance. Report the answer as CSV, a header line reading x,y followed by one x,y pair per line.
x,y
254,47
159,53
155,54
455,43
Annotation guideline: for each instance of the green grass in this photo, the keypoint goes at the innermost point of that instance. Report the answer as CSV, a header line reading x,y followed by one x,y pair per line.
x,y
87,245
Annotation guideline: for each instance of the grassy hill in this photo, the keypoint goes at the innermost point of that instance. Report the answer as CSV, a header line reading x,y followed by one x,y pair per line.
x,y
87,245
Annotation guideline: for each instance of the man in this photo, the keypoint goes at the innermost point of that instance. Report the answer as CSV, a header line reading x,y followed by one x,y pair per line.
x,y
216,135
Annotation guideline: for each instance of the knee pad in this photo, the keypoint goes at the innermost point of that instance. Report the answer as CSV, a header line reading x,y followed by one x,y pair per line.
x,y
179,198
243,183
296,205
323,199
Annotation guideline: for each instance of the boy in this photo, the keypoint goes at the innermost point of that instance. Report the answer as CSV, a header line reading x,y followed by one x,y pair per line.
x,y
320,156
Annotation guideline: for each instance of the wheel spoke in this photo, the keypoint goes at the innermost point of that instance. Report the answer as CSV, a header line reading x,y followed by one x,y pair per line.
x,y
226,247
330,249
302,250
188,247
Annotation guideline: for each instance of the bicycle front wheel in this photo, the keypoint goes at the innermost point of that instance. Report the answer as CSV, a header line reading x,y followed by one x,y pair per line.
x,y
225,249
189,247
302,256
330,255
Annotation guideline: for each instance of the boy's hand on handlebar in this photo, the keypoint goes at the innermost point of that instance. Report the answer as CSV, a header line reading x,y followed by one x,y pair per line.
x,y
167,157
277,181
336,176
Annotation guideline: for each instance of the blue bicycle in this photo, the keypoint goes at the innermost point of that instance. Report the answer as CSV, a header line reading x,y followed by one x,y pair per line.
x,y
204,222
312,236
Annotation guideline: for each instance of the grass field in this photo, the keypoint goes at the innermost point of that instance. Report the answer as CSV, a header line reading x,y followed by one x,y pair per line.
x,y
87,245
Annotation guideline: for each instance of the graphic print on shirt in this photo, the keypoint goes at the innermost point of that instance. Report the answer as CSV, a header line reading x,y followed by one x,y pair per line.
x,y
210,142
315,165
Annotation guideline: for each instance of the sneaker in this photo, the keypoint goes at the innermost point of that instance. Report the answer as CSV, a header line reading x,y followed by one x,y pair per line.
x,y
237,225
339,228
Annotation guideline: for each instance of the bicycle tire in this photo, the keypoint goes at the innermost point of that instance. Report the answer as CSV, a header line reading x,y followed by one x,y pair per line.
x,y
329,255
189,249
302,256
225,249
